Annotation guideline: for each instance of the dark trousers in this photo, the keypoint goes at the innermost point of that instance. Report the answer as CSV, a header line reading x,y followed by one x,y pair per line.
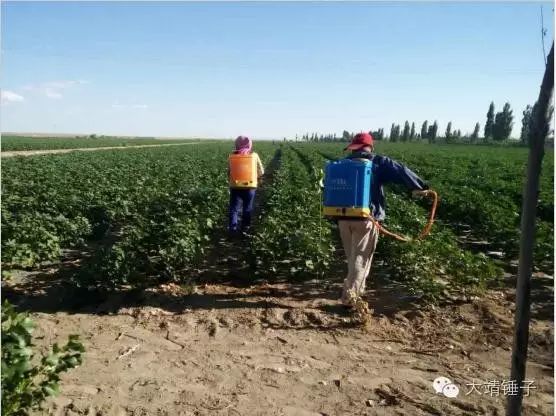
x,y
241,198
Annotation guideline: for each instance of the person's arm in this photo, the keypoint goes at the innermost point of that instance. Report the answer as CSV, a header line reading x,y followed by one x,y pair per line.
x,y
391,171
260,168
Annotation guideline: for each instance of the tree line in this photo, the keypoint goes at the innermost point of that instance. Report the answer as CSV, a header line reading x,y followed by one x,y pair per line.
x,y
497,128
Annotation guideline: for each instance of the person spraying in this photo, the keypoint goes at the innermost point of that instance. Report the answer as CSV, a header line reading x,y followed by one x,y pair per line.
x,y
354,197
244,170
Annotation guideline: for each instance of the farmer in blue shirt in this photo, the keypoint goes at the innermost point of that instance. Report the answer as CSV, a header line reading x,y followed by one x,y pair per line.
x,y
360,235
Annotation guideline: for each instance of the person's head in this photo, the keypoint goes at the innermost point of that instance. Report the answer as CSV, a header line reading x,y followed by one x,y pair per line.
x,y
243,144
361,142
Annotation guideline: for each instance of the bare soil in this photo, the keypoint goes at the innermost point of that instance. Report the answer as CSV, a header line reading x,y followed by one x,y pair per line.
x,y
287,349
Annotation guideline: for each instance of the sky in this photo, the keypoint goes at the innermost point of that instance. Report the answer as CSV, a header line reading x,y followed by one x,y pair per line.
x,y
265,70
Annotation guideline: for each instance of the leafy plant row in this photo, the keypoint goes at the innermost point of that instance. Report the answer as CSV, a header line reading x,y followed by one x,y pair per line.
x,y
150,212
291,238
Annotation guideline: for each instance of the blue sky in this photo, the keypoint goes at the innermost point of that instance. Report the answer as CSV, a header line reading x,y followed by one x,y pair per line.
x,y
267,70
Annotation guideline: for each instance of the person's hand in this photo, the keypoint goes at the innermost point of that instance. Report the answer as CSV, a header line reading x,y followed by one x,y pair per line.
x,y
369,225
416,194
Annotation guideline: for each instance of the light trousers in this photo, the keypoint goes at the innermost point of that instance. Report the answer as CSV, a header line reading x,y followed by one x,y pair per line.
x,y
359,239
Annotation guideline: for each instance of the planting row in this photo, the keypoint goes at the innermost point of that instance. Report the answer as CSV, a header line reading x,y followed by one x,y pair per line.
x,y
291,237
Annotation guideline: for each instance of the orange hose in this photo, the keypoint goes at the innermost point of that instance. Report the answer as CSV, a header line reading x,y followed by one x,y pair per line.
x,y
426,230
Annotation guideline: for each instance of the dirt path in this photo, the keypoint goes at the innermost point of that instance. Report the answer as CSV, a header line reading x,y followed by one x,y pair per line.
x,y
285,349
83,149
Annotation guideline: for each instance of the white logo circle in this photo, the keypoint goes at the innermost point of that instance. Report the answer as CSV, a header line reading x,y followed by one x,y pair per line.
x,y
439,383
450,390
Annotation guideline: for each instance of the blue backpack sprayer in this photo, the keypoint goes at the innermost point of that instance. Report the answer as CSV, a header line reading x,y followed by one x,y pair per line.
x,y
347,193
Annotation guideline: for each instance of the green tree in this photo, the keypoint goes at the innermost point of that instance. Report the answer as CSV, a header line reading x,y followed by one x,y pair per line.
x,y
433,131
406,131
489,126
449,131
424,129
497,128
412,134
475,135
393,137
503,123
526,124
377,134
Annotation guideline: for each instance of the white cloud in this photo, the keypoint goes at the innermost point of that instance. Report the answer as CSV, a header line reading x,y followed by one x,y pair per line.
x,y
10,97
54,89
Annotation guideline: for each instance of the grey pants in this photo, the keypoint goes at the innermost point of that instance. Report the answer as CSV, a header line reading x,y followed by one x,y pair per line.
x,y
359,239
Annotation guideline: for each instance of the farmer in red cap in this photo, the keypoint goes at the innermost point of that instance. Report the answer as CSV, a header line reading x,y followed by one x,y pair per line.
x,y
360,235
244,168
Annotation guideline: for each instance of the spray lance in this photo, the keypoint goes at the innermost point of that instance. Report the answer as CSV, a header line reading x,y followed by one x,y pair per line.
x,y
426,229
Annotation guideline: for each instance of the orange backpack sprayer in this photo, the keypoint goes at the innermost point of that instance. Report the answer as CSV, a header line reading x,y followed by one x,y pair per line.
x,y
347,185
243,171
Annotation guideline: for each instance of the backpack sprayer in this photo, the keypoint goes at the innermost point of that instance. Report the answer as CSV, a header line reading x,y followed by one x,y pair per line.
x,y
347,194
243,171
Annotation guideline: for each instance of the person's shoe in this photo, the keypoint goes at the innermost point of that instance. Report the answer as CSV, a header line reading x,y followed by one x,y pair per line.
x,y
344,304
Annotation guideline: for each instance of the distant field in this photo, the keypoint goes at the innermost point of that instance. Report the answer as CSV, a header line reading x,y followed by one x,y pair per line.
x,y
18,143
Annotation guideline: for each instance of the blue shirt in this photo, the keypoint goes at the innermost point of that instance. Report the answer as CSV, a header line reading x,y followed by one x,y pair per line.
x,y
386,170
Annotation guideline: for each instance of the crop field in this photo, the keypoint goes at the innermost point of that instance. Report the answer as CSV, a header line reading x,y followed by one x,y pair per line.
x,y
20,143
140,236
159,208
